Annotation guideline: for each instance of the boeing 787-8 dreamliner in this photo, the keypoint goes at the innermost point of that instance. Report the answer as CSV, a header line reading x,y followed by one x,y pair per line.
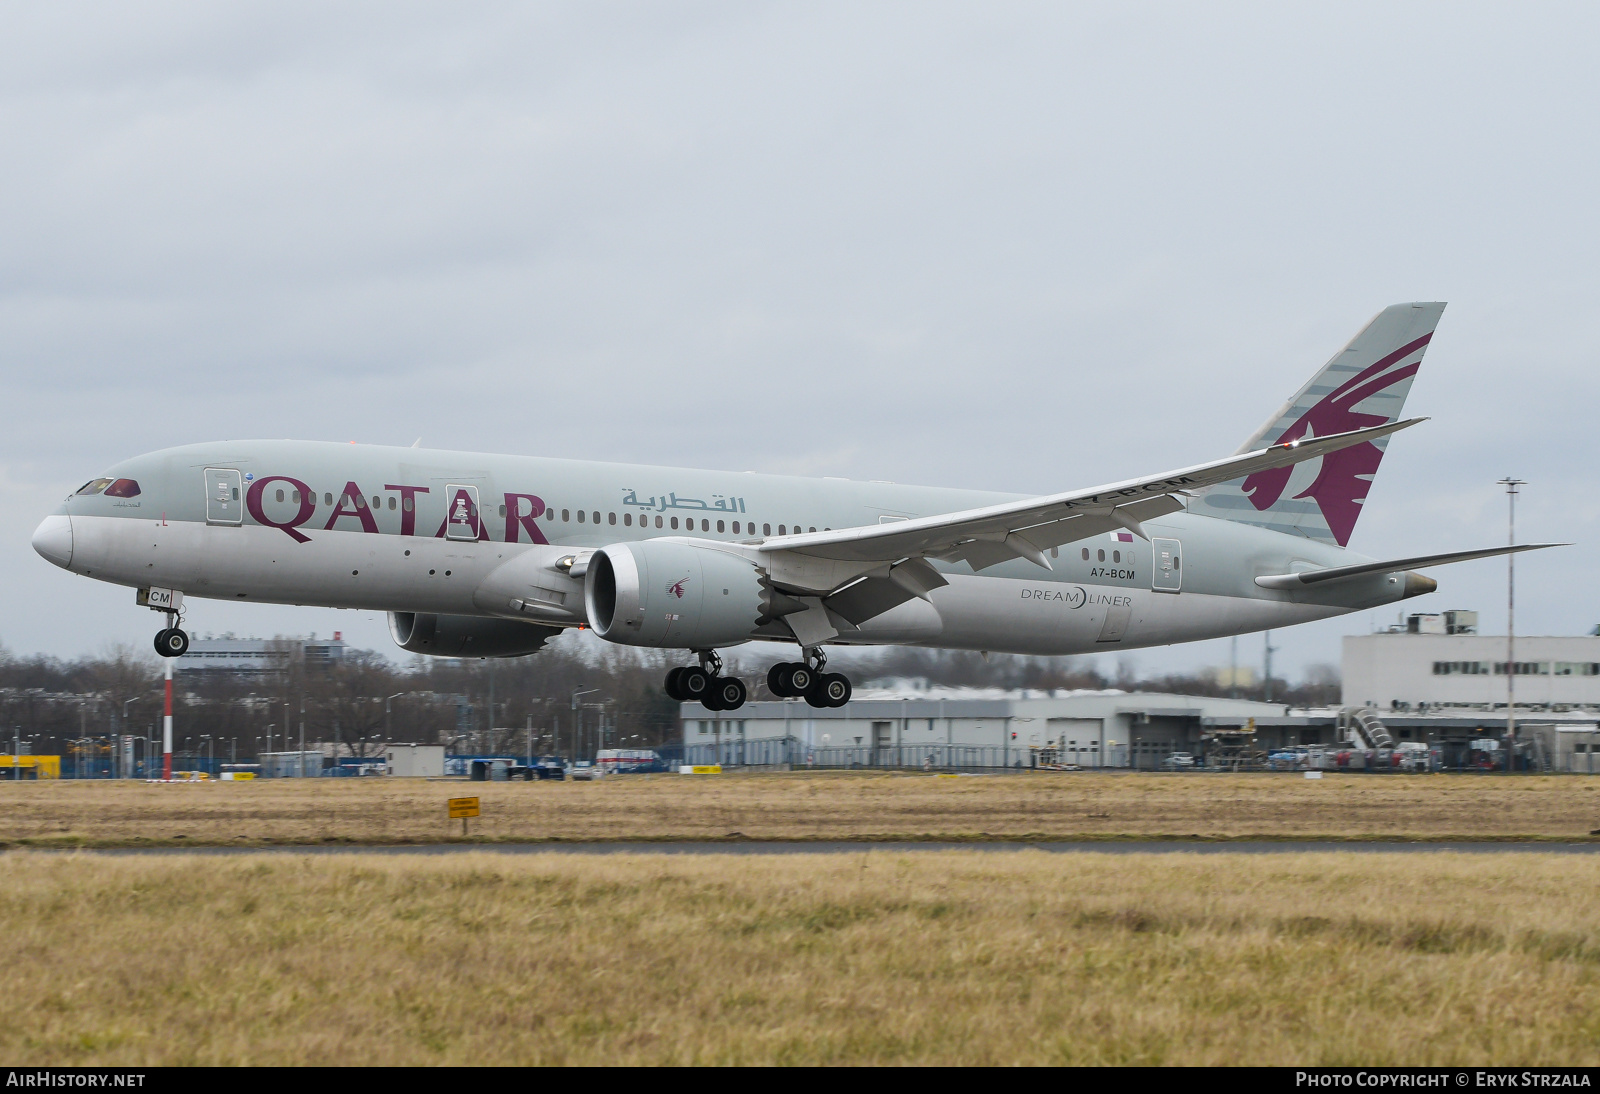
x,y
477,555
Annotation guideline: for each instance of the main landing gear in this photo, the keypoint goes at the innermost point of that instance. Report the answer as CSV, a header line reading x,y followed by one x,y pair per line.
x,y
171,641
704,683
806,679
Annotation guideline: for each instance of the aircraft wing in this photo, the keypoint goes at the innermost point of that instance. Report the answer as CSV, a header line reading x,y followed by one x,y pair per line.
x,y
1030,527
1335,573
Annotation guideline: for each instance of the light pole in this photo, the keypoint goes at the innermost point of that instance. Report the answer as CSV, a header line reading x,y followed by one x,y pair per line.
x,y
126,774
577,717
388,718
1511,485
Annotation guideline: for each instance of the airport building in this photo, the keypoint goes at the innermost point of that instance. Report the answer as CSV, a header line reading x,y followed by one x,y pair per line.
x,y
257,656
1441,662
961,727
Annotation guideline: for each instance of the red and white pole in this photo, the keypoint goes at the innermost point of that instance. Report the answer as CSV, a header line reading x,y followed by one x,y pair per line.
x,y
166,729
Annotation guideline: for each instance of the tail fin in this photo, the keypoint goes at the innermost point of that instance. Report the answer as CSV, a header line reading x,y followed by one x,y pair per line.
x,y
1364,385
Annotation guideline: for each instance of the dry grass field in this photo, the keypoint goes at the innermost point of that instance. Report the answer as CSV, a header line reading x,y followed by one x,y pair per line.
x,y
806,806
870,957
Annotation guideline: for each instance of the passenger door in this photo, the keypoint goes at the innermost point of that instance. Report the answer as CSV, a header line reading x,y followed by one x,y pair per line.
x,y
224,500
1167,574
462,520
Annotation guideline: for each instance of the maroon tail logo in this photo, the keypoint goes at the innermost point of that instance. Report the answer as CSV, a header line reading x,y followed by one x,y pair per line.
x,y
1346,475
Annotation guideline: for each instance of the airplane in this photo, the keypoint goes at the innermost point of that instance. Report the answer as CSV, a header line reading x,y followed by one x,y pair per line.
x,y
477,555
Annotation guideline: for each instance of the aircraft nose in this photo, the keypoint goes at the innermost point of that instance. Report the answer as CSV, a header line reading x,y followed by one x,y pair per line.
x,y
53,539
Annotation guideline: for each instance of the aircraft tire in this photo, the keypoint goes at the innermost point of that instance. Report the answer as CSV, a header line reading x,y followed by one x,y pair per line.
x,y
801,678
727,692
778,680
172,642
834,688
693,683
671,687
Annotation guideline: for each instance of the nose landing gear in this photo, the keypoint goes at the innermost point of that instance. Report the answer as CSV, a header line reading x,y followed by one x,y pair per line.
x,y
170,640
706,684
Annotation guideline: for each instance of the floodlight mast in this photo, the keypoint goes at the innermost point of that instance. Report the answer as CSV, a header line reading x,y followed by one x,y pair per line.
x,y
1511,485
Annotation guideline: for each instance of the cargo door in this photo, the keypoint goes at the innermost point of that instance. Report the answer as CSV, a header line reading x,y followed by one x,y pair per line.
x,y
224,503
1167,574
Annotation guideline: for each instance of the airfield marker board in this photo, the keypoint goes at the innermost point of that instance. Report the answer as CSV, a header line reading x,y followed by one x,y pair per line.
x,y
463,808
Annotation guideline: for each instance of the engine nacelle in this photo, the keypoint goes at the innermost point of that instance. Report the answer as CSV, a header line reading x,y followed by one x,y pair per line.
x,y
466,635
673,594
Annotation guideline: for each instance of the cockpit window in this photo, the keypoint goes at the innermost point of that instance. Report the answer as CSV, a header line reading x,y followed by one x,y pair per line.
x,y
123,488
94,486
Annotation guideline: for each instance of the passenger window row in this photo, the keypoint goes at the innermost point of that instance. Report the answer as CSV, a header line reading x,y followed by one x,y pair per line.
x,y
584,516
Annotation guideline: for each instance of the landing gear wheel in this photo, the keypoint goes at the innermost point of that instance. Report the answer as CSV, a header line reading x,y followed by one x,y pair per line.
x,y
693,683
672,687
831,689
789,679
725,693
172,642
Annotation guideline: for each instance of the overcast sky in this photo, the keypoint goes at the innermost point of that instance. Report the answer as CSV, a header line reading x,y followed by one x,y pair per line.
x,y
1010,246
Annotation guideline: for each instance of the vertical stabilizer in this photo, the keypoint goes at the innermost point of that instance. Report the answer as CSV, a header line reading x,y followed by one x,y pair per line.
x,y
1364,385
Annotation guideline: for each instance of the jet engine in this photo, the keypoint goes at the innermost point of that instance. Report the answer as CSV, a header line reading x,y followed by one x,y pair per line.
x,y
467,636
673,594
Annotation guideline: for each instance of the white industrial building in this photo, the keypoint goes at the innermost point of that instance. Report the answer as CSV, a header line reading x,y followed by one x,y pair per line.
x,y
256,656
416,761
961,727
1440,662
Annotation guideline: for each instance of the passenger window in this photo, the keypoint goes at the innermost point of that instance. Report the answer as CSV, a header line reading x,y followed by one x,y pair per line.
x,y
811,529
580,516
735,527
361,501
1102,555
658,522
407,505
391,506
294,496
502,510
674,524
783,529
705,526
766,529
280,495
627,520
1116,556
377,502
566,515
611,518
720,526
597,516
327,499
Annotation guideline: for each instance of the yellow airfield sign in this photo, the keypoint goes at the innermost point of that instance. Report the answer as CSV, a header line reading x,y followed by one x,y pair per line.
x,y
462,808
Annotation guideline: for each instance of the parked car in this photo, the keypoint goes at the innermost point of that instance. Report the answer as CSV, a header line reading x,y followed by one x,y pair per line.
x,y
1178,761
585,771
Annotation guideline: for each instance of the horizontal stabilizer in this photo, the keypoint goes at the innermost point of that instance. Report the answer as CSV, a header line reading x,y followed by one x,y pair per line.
x,y
1337,573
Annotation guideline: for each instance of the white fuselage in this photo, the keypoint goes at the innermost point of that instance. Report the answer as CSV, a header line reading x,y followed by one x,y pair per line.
x,y
294,533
